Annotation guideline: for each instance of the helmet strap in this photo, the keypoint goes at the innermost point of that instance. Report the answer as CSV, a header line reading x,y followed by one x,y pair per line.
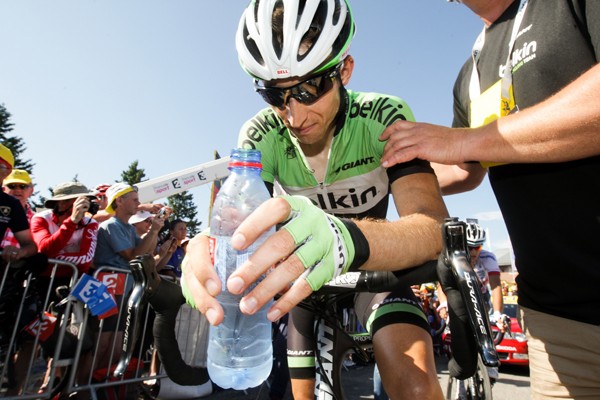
x,y
340,118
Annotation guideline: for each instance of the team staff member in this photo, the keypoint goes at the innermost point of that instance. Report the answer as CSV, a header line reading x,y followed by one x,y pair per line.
x,y
320,140
547,188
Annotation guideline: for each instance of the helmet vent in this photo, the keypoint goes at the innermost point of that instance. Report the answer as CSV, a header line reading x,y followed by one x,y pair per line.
x,y
312,35
252,47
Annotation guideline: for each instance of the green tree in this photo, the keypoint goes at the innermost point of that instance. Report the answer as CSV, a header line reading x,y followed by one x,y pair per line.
x,y
133,174
15,143
184,208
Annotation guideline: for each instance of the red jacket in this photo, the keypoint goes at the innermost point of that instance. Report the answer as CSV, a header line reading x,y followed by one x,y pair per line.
x,y
67,242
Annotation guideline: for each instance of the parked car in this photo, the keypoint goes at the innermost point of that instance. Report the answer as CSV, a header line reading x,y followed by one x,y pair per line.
x,y
512,349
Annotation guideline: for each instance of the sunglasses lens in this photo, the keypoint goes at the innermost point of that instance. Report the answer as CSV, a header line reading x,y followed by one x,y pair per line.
x,y
306,92
272,96
19,186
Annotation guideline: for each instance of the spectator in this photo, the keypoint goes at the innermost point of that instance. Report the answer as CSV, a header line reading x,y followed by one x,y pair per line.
x,y
102,200
177,234
13,215
18,184
118,243
101,215
142,222
64,232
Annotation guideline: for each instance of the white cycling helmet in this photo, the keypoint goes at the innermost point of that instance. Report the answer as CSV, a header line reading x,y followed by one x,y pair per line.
x,y
267,56
475,234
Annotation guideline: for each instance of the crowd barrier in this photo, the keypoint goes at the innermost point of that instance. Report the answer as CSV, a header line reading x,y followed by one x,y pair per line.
x,y
81,350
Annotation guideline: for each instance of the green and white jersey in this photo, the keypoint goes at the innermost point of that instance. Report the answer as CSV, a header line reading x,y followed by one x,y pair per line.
x,y
355,184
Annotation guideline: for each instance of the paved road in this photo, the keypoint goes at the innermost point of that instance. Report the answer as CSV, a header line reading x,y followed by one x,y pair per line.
x,y
358,382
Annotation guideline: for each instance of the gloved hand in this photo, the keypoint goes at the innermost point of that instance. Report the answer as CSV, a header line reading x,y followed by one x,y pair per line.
x,y
325,244
500,320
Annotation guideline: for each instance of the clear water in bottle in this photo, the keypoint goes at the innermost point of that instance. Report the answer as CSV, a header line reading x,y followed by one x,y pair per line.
x,y
239,350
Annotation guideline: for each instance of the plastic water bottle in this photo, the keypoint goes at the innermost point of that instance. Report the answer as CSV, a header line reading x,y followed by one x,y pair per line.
x,y
240,353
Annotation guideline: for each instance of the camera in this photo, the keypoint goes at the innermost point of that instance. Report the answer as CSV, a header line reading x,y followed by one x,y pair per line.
x,y
94,208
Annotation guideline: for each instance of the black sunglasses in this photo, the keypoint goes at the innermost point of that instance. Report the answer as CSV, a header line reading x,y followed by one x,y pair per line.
x,y
21,186
306,92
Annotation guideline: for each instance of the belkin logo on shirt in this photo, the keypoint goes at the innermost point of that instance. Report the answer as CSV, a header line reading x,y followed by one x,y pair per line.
x,y
522,55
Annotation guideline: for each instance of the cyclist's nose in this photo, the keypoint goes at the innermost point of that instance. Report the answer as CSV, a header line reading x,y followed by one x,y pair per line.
x,y
296,112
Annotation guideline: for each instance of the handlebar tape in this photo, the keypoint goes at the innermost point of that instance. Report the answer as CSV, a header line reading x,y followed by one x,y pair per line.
x,y
383,281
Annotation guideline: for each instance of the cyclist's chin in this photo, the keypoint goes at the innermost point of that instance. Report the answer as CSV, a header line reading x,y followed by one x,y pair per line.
x,y
308,136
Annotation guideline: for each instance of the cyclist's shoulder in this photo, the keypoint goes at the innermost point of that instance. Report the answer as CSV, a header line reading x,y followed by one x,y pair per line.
x,y
488,260
376,108
486,254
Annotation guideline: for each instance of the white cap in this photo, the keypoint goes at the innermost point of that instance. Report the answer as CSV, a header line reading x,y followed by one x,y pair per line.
x,y
140,216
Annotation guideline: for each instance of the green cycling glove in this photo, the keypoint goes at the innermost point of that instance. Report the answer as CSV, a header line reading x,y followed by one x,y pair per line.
x,y
327,246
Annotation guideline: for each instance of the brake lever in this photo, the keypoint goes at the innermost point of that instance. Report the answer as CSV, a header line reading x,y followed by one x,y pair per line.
x,y
145,284
457,259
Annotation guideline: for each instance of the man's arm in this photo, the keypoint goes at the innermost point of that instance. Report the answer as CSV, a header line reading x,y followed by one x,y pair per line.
x,y
496,287
561,128
414,238
28,247
460,178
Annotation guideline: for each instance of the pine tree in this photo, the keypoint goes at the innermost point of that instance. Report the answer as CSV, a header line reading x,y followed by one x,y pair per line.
x,y
184,208
15,143
133,174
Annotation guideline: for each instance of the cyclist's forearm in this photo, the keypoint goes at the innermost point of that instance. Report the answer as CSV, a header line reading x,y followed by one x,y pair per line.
x,y
497,303
405,243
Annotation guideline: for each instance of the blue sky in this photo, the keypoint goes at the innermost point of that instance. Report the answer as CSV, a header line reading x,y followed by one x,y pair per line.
x,y
95,85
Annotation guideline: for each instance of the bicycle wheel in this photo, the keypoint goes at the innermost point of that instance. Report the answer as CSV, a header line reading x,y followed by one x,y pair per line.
x,y
478,387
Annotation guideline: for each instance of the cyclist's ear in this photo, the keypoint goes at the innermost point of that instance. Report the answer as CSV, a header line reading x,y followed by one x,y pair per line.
x,y
347,68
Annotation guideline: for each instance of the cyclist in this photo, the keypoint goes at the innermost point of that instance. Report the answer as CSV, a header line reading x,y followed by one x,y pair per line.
x,y
319,140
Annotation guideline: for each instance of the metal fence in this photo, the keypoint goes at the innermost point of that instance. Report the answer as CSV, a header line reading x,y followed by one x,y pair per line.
x,y
47,349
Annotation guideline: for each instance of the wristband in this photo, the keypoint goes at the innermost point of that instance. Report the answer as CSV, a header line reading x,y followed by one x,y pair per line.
x,y
443,304
362,251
